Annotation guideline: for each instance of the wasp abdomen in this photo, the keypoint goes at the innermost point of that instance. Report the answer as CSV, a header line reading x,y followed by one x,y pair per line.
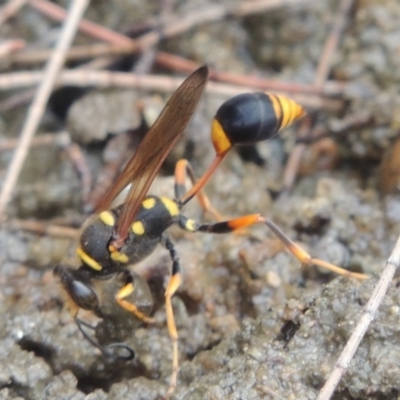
x,y
252,117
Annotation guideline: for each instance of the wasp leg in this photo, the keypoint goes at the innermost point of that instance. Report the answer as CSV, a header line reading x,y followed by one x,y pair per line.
x,y
125,291
197,187
106,351
173,285
81,323
298,252
80,294
78,289
182,169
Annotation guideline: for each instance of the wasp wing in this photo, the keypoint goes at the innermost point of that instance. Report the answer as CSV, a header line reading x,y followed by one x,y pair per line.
x,y
152,151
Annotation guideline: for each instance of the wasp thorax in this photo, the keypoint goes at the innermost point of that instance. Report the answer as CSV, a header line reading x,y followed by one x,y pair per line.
x,y
94,240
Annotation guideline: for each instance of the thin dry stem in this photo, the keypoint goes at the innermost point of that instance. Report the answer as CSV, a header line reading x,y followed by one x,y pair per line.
x,y
106,79
17,100
74,53
121,44
367,316
43,228
10,9
172,28
8,47
332,88
332,43
48,139
79,162
23,79
42,95
211,13
324,67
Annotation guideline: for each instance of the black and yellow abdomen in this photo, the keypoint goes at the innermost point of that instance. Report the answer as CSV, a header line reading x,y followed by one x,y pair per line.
x,y
252,117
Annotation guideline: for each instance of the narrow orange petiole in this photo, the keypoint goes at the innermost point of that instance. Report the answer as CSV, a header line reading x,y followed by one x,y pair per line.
x,y
204,179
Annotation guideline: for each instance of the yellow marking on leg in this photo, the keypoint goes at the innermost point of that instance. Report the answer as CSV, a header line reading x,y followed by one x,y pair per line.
x,y
170,205
190,225
305,258
338,270
298,252
124,292
107,218
149,203
138,228
119,257
89,261
172,287
180,172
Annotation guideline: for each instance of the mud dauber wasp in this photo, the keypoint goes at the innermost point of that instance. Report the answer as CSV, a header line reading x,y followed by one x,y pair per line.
x,y
117,238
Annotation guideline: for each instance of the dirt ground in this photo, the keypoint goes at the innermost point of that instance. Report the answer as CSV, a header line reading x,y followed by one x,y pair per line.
x,y
253,323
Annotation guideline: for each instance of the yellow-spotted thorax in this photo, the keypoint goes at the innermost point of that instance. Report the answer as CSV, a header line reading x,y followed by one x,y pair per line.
x,y
155,215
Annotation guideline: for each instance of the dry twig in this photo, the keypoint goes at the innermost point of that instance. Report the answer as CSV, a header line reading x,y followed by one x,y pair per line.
x,y
49,139
171,28
321,76
17,100
10,9
36,110
211,13
328,88
367,316
106,79
121,44
43,228
8,47
80,164
126,44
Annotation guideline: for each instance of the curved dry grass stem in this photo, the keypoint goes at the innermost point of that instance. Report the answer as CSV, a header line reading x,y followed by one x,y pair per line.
x,y
38,105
